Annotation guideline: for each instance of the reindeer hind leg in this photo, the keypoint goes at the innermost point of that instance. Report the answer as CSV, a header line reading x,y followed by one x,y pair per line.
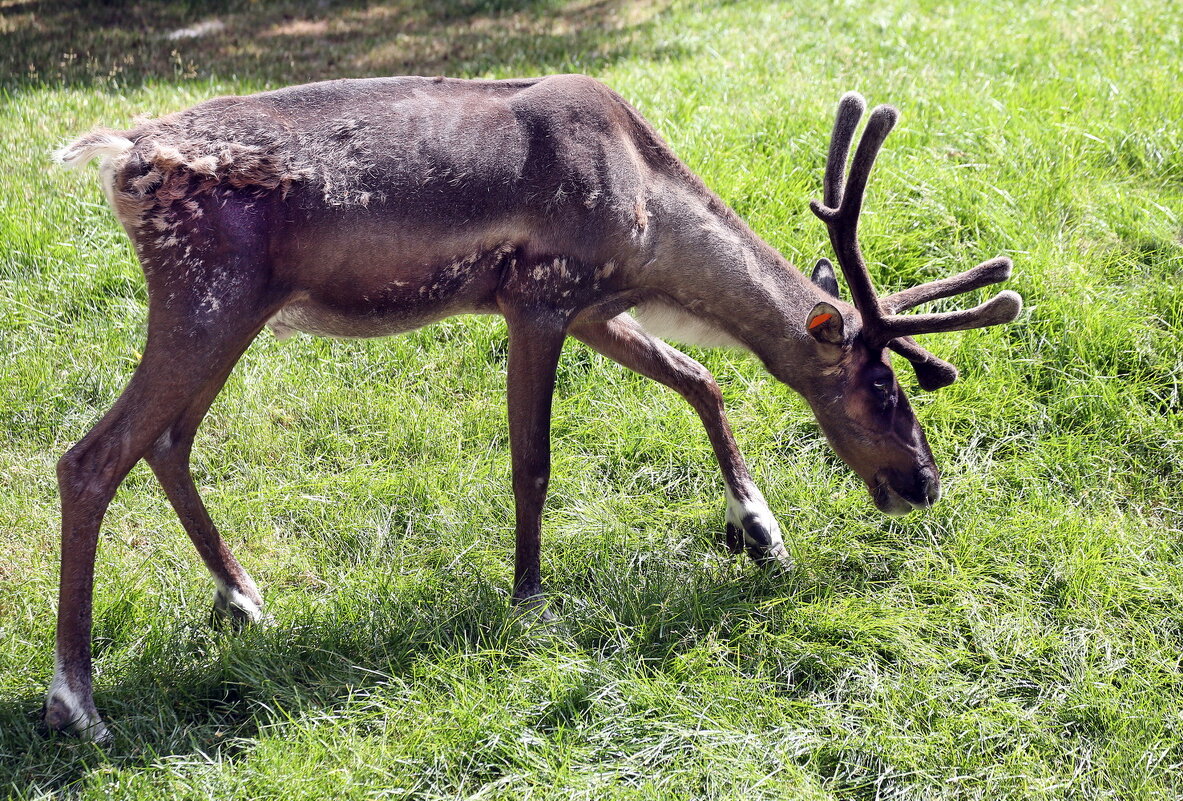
x,y
236,598
192,346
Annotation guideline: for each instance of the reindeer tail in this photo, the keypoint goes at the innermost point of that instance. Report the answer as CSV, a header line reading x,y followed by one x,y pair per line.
x,y
100,143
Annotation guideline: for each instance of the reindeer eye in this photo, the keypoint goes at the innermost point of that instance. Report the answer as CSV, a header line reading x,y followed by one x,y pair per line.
x,y
882,387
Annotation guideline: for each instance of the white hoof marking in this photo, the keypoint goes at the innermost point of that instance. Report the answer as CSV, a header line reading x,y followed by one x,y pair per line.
x,y
234,603
66,710
752,513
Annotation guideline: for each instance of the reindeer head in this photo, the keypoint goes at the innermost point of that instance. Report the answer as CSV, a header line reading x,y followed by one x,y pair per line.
x,y
865,415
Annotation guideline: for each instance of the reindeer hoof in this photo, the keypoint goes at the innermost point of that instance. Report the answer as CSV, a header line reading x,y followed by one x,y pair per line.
x,y
534,610
734,540
763,543
751,526
774,558
234,609
65,712
763,546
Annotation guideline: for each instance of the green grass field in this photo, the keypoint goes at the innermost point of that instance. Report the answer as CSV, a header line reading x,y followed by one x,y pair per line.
x,y
1020,640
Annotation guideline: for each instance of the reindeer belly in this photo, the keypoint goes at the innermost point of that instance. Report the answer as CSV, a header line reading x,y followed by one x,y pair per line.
x,y
368,302
313,318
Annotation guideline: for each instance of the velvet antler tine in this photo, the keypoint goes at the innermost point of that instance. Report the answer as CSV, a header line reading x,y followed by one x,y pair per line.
x,y
988,272
850,111
1002,308
841,214
844,202
879,125
882,325
931,372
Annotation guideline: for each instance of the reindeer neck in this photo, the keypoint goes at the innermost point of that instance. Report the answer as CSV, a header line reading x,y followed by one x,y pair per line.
x,y
709,262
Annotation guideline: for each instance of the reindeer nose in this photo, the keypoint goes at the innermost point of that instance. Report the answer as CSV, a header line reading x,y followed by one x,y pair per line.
x,y
928,487
921,488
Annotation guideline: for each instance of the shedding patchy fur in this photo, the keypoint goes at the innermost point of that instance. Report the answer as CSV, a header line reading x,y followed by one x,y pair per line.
x,y
160,167
183,169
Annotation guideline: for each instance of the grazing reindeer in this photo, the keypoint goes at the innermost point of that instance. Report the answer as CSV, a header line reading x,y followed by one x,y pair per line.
x,y
362,208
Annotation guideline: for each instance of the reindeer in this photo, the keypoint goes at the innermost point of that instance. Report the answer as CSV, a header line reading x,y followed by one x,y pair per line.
x,y
361,208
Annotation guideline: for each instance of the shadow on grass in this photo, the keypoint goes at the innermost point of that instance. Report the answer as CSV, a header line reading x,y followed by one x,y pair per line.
x,y
106,45
186,691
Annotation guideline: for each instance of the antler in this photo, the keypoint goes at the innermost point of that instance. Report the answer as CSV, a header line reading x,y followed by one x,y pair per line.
x,y
882,325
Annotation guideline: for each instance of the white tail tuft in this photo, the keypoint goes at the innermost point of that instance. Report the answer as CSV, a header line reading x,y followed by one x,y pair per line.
x,y
101,143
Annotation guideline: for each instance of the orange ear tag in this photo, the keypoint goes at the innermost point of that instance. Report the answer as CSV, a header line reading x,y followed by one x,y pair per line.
x,y
819,321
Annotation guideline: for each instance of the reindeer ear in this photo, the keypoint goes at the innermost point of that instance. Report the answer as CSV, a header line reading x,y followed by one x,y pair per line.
x,y
823,276
825,324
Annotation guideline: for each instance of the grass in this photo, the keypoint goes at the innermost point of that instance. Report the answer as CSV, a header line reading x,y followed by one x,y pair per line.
x,y
1021,640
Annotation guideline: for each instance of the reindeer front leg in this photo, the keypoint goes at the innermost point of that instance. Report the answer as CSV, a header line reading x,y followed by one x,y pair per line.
x,y
535,342
750,524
